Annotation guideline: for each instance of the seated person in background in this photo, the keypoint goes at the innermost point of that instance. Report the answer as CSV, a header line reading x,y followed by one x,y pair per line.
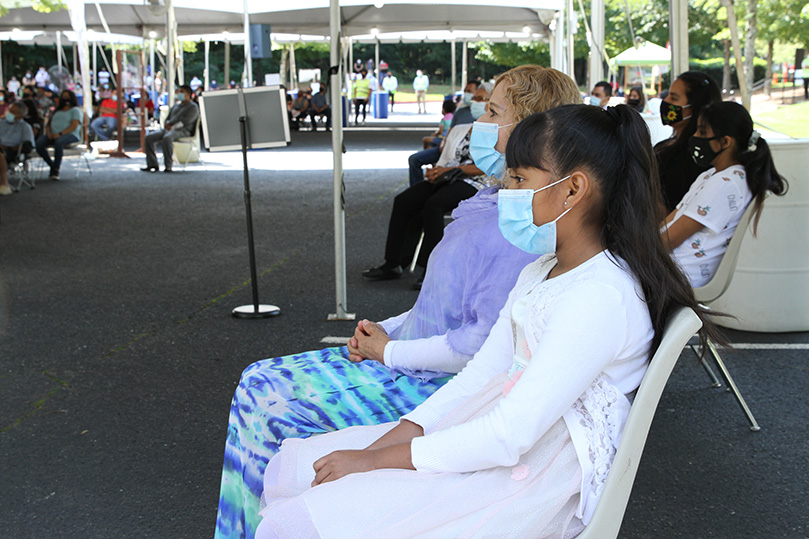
x,y
421,207
16,138
44,100
62,129
436,138
299,107
28,93
6,98
601,94
465,116
463,113
33,118
319,106
699,230
680,109
636,98
107,119
181,121
521,442
469,275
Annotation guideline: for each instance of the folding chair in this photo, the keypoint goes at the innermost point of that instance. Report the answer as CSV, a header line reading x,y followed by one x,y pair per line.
x,y
609,513
712,291
192,151
22,172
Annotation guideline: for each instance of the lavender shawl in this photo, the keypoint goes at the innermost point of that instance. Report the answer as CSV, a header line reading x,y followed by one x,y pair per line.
x,y
469,275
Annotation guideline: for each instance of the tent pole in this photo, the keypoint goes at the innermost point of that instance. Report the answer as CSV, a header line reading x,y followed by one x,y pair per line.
x,y
678,35
596,67
2,79
376,59
454,66
571,65
95,64
464,65
337,153
227,63
170,37
59,49
293,69
248,63
207,85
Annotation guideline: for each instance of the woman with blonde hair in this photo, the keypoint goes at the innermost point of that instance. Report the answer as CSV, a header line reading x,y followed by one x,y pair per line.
x,y
390,367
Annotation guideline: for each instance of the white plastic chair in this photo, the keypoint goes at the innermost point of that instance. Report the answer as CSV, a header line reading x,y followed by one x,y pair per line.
x,y
712,291
192,152
609,513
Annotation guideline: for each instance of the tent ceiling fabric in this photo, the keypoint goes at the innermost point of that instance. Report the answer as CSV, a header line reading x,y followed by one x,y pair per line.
x,y
310,17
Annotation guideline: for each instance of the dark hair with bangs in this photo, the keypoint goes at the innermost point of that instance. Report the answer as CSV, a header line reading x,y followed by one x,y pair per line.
x,y
614,149
71,99
730,119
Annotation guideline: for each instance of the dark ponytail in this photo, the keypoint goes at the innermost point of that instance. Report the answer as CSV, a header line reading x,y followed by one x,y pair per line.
x,y
615,148
730,119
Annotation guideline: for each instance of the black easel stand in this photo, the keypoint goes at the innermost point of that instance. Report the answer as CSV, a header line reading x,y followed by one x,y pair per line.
x,y
255,310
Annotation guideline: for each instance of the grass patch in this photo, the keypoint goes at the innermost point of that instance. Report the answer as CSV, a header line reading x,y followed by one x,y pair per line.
x,y
790,120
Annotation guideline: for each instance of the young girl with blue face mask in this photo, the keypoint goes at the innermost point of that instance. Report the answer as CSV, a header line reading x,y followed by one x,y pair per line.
x,y
519,443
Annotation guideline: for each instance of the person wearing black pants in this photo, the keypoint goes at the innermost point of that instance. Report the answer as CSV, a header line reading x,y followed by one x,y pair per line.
x,y
419,208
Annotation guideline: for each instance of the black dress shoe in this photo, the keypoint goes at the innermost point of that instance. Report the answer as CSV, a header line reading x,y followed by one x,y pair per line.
x,y
382,273
167,169
149,169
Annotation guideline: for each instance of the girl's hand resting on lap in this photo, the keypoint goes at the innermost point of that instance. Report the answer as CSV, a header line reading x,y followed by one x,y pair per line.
x,y
368,342
341,463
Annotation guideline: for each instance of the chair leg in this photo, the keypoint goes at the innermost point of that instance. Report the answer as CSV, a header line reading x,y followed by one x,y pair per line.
x,y
416,254
732,387
714,380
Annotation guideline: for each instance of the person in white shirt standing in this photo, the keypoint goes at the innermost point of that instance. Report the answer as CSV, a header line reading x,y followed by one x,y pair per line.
x,y
390,84
420,85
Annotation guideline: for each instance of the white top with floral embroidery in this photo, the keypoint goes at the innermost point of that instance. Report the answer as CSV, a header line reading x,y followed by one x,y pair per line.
x,y
717,201
574,346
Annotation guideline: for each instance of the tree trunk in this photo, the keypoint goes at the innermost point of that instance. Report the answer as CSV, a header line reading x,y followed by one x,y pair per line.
x,y
750,46
737,51
726,68
768,75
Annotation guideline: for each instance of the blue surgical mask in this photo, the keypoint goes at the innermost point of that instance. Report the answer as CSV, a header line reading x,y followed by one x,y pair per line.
x,y
179,96
477,108
467,98
515,216
10,118
481,148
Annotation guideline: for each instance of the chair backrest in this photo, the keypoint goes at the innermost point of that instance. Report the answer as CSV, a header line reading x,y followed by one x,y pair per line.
x,y
720,282
609,513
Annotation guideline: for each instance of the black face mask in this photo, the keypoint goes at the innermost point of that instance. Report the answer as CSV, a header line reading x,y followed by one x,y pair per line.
x,y
671,114
701,151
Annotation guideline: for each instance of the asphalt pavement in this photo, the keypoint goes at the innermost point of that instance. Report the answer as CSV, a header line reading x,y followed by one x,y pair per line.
x,y
119,354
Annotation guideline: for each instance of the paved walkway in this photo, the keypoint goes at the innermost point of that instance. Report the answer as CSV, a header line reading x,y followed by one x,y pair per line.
x,y
119,355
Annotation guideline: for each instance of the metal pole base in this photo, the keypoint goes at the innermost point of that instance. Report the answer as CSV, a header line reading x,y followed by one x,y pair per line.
x,y
256,311
333,317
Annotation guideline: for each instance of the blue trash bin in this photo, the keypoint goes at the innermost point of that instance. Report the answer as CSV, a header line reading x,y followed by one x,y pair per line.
x,y
380,102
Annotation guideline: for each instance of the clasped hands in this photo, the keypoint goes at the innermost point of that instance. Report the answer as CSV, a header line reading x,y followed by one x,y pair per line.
x,y
368,342
432,174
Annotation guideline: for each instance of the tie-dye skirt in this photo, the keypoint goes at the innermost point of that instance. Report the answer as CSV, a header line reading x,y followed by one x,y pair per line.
x,y
295,397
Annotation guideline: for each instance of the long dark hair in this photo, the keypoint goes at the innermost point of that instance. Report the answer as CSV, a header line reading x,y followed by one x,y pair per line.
x,y
728,118
700,90
615,148
71,99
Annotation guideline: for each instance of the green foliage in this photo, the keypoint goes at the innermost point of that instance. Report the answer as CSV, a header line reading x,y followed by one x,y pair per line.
x,y
715,66
43,6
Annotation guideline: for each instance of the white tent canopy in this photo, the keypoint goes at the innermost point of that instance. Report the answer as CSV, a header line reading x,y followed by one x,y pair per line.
x,y
138,17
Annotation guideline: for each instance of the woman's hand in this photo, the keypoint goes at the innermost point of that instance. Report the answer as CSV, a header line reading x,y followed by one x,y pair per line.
x,y
341,463
433,173
368,342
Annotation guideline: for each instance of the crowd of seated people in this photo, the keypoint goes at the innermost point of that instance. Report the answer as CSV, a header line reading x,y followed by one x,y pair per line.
x,y
307,104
